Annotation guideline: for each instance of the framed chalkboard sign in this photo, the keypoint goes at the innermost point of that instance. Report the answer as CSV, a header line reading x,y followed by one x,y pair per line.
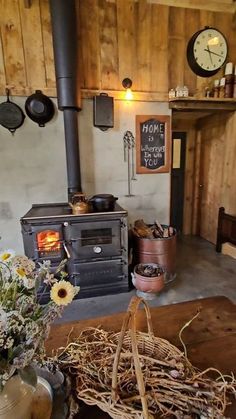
x,y
152,144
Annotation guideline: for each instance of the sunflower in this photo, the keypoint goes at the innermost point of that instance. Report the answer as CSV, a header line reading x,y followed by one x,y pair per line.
x,y
62,293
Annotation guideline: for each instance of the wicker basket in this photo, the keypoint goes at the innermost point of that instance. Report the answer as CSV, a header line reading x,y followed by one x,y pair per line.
x,y
130,344
129,374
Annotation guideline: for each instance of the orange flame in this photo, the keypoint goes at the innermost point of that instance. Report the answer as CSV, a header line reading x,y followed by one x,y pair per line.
x,y
48,241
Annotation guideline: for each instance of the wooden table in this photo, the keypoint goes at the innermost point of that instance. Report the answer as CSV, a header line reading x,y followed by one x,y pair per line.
x,y
210,339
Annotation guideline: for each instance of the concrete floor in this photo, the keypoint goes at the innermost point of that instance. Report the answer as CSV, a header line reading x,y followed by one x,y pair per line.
x,y
201,272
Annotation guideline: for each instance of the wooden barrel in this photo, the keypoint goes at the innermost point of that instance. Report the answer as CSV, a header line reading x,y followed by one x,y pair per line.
x,y
161,251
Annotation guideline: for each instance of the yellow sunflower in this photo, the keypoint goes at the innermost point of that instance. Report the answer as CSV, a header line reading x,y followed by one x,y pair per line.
x,y
62,293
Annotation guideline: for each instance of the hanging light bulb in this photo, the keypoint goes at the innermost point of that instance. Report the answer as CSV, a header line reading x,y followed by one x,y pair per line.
x,y
127,83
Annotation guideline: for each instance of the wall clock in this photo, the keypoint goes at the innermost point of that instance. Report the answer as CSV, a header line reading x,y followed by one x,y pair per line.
x,y
207,52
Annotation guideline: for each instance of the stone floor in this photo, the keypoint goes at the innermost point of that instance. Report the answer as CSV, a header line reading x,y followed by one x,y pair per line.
x,y
201,272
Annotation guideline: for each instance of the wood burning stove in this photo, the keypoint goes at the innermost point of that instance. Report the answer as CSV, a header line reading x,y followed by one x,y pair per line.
x,y
94,244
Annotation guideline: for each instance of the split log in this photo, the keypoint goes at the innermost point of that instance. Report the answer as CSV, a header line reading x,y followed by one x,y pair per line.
x,y
142,230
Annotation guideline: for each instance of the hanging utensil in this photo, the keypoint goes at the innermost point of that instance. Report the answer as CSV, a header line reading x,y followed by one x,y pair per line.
x,y
127,139
11,115
39,108
132,157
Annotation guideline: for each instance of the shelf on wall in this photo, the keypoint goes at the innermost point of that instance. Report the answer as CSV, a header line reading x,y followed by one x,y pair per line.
x,y
204,104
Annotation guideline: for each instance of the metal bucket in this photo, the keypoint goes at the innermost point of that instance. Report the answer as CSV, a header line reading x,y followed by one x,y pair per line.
x,y
161,251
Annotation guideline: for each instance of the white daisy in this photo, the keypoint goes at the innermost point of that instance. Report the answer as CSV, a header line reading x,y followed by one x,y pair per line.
x,y
7,255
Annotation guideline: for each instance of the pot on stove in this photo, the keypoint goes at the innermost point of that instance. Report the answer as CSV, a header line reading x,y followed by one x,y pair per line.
x,y
103,202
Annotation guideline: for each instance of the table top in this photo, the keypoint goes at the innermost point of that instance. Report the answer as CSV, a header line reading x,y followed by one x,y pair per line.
x,y
210,339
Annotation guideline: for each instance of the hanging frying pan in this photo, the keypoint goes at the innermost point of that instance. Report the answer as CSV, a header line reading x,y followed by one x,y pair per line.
x,y
11,115
39,108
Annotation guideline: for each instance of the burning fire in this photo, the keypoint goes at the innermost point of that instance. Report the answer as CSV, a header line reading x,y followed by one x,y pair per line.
x,y
48,241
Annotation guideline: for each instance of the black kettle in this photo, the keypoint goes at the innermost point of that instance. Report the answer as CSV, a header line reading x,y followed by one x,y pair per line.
x,y
39,108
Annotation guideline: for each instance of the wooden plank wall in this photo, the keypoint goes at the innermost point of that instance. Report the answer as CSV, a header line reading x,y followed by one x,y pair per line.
x,y
26,54
143,40
217,172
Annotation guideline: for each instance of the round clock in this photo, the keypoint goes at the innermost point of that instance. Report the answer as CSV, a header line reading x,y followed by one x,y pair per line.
x,y
207,52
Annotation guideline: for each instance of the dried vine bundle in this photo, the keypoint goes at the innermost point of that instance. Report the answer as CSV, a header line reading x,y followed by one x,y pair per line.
x,y
172,387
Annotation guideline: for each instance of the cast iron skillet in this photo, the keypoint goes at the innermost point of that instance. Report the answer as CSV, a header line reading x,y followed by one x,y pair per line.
x,y
39,108
11,115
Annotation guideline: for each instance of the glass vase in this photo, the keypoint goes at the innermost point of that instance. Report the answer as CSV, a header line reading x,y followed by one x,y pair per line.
x,y
16,399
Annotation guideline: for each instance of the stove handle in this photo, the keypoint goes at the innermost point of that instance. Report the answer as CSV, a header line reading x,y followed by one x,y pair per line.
x,y
66,250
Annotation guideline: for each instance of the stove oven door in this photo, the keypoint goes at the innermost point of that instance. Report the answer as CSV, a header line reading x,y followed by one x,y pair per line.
x,y
94,240
100,277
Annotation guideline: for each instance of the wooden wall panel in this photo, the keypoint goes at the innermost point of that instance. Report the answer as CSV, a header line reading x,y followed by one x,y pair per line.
x,y
32,44
11,33
126,41
159,48
218,138
90,40
196,186
228,186
143,36
47,44
108,45
177,47
192,19
141,39
2,65
189,181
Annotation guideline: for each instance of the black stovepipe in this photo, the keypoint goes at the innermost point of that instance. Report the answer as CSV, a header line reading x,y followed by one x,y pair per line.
x,y
64,33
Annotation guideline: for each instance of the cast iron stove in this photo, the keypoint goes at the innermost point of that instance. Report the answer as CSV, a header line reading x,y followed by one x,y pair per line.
x,y
94,245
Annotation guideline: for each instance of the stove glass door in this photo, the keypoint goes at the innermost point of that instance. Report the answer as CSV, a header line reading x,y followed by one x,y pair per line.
x,y
48,242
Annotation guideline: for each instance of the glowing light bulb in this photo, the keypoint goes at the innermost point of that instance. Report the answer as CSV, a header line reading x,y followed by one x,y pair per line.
x,y
128,94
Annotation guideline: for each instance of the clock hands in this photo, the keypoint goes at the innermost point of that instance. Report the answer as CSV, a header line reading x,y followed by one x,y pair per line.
x,y
212,52
208,50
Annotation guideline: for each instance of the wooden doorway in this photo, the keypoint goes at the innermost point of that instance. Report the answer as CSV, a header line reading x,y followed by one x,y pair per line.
x,y
177,179
210,178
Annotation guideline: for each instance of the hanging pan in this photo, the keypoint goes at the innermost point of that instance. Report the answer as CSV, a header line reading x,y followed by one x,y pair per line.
x,y
39,108
11,115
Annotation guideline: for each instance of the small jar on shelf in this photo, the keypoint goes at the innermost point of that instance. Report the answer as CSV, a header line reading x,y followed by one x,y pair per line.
x,y
222,88
229,80
234,92
216,88
171,93
185,91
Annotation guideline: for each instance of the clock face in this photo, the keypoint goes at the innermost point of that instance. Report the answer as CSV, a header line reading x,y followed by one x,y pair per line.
x,y
207,52
210,49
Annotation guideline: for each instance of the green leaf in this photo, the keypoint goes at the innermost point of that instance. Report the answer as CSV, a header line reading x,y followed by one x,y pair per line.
x,y
29,376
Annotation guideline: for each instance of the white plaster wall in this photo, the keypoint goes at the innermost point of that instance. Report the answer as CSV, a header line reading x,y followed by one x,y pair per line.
x,y
104,169
32,170
33,167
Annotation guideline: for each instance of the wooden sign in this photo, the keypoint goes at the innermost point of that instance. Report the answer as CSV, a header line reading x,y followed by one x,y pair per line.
x,y
152,144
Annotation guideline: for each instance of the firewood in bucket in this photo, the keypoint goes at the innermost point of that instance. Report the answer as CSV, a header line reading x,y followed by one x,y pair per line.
x,y
142,230
166,232
155,231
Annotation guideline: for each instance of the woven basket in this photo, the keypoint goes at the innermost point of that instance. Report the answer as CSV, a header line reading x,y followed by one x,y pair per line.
x,y
140,346
135,375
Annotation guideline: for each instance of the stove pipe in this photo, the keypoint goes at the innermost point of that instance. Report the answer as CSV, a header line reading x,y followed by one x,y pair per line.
x,y
64,33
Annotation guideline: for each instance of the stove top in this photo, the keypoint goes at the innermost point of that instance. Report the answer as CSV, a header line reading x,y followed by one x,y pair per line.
x,y
52,210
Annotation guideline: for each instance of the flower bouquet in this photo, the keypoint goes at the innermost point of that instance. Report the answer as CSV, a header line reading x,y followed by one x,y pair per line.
x,y
24,322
